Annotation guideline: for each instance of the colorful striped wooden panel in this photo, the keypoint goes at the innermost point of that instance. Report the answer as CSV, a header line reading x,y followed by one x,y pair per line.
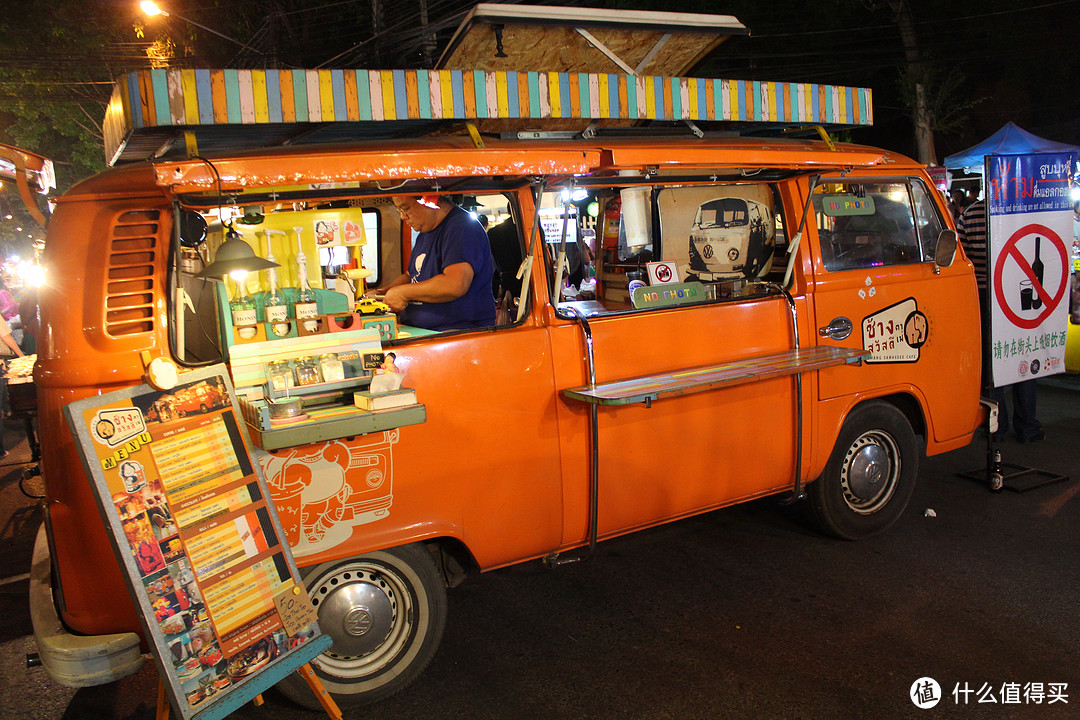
x,y
151,98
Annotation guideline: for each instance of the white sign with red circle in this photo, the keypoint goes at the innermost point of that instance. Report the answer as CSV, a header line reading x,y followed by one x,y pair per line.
x,y
1031,275
1029,280
662,273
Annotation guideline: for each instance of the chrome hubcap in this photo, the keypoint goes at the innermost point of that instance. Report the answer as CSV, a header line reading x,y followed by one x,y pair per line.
x,y
366,608
358,616
871,471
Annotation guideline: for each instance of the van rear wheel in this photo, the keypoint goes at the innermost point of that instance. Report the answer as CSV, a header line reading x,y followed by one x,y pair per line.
x,y
386,612
870,475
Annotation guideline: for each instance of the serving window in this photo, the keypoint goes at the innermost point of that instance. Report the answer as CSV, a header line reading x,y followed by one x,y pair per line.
x,y
644,246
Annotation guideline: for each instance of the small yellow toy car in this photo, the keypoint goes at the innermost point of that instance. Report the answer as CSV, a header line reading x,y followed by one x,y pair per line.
x,y
371,306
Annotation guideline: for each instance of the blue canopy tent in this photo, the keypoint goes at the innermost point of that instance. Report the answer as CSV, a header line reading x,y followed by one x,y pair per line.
x,y
1009,140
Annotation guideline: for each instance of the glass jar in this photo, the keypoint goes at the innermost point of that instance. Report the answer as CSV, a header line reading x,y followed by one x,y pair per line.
x,y
279,375
307,371
331,367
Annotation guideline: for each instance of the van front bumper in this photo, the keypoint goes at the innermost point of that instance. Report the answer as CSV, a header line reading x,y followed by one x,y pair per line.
x,y
74,660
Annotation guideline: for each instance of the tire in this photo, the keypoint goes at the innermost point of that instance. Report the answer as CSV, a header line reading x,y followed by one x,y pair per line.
x,y
386,612
868,481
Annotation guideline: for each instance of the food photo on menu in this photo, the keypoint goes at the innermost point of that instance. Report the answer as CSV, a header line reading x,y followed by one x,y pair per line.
x,y
144,544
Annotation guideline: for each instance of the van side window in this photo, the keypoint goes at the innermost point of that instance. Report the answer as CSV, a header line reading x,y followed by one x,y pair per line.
x,y
867,224
499,216
569,231
928,220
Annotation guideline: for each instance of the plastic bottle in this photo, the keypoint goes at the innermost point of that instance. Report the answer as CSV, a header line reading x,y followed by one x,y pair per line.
x,y
306,308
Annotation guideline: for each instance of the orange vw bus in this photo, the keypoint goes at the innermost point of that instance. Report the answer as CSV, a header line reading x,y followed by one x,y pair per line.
x,y
849,351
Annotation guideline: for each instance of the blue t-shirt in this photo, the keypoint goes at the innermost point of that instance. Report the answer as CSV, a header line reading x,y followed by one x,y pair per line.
x,y
458,238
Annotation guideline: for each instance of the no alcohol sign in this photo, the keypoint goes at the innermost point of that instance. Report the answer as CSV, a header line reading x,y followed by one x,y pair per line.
x,y
1029,215
1030,275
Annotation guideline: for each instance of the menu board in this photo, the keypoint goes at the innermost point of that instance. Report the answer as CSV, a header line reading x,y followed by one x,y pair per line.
x,y
193,526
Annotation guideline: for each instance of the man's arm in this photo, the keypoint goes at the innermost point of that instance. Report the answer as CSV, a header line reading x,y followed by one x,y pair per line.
x,y
399,280
452,283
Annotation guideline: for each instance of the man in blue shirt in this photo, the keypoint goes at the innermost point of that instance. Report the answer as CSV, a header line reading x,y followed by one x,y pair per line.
x,y
447,285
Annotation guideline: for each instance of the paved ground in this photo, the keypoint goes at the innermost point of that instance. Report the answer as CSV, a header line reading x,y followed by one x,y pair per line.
x,y
741,613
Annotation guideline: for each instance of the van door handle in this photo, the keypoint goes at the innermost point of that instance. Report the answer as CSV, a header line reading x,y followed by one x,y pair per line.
x,y
838,329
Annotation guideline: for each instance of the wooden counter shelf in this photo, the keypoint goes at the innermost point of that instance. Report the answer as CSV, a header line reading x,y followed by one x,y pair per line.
x,y
647,388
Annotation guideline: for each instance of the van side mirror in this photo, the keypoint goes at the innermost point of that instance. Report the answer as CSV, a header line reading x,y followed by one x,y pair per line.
x,y
945,252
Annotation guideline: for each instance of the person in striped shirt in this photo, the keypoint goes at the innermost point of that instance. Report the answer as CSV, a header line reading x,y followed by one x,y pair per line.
x,y
971,230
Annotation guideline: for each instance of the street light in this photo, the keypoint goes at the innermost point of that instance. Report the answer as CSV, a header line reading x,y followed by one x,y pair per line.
x,y
151,9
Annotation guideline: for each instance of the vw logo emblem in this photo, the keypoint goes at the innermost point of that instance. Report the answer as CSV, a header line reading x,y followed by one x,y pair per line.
x,y
358,621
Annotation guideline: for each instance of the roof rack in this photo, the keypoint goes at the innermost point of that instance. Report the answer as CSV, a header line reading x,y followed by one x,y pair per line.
x,y
614,70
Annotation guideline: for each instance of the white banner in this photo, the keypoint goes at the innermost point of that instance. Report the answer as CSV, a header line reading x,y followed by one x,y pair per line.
x,y
1030,226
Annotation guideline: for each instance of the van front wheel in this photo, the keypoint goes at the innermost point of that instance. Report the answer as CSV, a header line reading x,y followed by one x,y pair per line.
x,y
870,475
386,612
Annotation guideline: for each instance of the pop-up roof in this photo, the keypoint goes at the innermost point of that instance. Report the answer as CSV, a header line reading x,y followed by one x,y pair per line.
x,y
232,110
584,40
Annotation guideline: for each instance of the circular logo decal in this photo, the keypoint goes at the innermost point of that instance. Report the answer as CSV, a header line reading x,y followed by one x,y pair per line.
x,y
916,329
105,429
357,622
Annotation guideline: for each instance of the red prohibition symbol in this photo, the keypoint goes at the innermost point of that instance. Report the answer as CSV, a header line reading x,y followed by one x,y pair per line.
x,y
663,273
1050,299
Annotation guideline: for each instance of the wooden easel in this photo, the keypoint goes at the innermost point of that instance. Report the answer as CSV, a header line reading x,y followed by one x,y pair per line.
x,y
316,686
305,671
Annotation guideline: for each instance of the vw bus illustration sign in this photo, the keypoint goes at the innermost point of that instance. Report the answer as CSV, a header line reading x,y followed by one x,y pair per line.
x,y
730,237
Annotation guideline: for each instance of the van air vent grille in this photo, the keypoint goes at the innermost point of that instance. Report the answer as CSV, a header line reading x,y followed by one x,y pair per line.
x,y
130,282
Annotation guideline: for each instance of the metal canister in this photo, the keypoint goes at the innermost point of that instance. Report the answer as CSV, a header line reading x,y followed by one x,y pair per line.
x,y
284,408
